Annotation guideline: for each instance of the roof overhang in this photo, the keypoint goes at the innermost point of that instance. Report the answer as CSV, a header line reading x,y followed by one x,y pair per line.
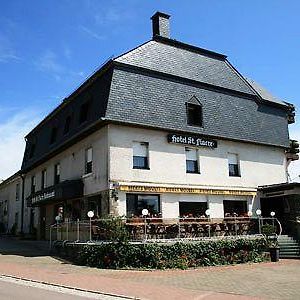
x,y
279,190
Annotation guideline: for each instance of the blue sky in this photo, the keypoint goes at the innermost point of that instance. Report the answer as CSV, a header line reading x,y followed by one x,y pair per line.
x,y
47,48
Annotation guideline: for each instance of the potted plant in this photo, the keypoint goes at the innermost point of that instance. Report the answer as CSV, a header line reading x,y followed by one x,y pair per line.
x,y
274,251
271,238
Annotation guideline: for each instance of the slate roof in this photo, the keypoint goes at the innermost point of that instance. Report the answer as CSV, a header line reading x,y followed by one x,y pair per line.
x,y
166,58
145,99
149,87
263,93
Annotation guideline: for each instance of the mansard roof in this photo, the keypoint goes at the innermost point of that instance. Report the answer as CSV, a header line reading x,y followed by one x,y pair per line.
x,y
171,57
149,85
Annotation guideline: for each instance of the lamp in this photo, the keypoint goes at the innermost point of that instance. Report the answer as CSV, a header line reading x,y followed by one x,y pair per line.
x,y
90,214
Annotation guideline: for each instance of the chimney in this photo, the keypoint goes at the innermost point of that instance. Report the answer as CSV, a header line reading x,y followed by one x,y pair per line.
x,y
161,25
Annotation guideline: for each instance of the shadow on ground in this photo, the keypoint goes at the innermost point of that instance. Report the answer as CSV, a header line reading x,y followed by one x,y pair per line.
x,y
26,248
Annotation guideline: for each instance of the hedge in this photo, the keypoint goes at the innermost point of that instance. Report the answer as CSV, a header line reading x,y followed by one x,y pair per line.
x,y
166,255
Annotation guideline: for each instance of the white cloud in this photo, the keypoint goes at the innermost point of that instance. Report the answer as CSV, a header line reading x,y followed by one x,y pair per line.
x,y
12,132
49,63
7,51
91,33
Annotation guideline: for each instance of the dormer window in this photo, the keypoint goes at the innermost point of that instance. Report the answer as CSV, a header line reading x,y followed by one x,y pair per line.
x,y
67,124
53,135
194,112
32,150
84,110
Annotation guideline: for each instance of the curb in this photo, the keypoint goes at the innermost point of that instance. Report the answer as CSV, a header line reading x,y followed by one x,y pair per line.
x,y
69,287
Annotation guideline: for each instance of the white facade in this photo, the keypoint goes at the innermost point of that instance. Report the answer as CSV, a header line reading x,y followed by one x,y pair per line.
x,y
113,147
258,165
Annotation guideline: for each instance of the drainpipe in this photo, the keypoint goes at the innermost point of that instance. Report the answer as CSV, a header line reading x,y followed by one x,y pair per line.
x,y
23,202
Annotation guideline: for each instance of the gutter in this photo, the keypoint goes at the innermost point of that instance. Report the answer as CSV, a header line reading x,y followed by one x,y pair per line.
x,y
23,203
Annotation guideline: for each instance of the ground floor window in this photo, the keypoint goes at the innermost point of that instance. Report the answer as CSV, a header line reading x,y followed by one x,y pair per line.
x,y
192,209
135,203
235,208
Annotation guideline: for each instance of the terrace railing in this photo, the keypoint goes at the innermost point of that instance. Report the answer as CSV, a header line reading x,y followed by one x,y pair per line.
x,y
143,229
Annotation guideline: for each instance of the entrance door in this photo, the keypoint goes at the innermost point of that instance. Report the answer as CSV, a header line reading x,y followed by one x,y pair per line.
x,y
276,204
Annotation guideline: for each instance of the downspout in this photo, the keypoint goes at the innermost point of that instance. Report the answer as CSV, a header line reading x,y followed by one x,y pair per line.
x,y
23,202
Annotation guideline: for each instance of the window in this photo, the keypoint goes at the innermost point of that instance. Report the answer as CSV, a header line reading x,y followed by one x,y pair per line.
x,y
233,165
194,114
44,179
192,209
33,184
17,218
84,110
67,125
88,160
17,192
53,135
235,208
135,203
5,208
57,173
32,150
140,155
191,160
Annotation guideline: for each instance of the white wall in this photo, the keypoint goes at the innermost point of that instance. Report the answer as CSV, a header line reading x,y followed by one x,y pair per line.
x,y
8,192
259,165
72,165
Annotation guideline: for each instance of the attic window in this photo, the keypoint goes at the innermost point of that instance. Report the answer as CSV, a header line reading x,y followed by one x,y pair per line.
x,y
32,150
84,110
53,135
194,114
67,125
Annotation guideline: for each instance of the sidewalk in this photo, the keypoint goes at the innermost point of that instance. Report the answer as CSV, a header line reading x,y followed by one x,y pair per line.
x,y
251,281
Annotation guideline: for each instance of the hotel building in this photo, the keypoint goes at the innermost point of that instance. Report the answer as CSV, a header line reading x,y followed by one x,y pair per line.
x,y
167,126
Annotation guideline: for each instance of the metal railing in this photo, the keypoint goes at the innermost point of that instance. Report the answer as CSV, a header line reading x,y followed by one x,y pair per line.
x,y
143,229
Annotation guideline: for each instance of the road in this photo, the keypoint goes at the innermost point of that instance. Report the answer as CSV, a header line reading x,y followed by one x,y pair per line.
x,y
16,289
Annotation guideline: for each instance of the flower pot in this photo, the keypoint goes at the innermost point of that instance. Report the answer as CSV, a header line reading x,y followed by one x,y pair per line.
x,y
274,254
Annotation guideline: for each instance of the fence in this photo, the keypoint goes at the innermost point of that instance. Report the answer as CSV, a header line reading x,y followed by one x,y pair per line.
x,y
142,229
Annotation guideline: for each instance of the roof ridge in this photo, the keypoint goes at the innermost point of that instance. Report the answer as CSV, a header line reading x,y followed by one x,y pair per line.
x,y
175,43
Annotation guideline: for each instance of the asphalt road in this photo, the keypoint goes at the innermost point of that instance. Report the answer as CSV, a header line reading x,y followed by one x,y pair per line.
x,y
14,289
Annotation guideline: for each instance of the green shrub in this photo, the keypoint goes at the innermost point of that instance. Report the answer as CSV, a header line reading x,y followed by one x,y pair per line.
x,y
115,229
169,255
268,229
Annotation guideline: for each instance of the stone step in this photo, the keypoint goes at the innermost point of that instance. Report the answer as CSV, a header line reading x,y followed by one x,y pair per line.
x,y
285,239
288,243
289,256
288,246
289,249
296,253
